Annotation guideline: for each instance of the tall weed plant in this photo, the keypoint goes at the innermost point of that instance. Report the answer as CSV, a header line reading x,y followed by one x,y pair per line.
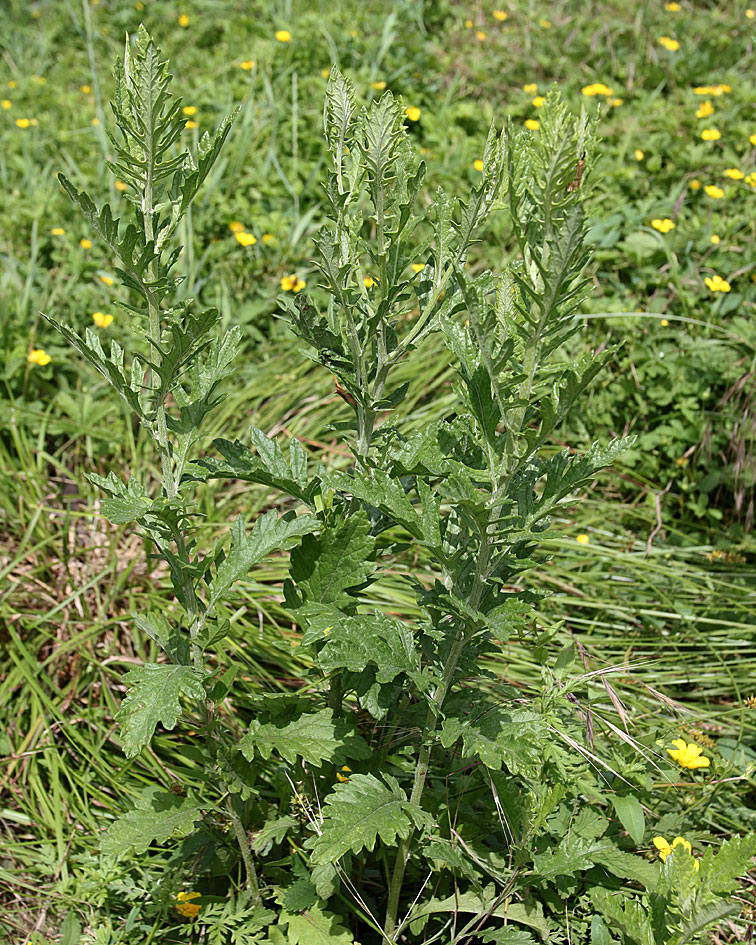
x,y
401,792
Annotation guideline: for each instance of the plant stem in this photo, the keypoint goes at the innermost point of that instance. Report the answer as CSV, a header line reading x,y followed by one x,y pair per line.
x,y
246,849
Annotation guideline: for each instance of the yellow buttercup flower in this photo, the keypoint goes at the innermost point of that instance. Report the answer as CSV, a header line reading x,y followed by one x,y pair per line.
x,y
468,24
268,238
108,280
582,539
101,320
638,154
500,15
189,109
695,185
85,243
531,88
666,848
185,906
38,356
711,134
596,88
752,139
480,35
714,239
668,43
616,102
369,282
417,267
478,165
750,14
246,239
378,86
6,103
734,173
705,109
664,323
119,185
716,193
714,283
532,125
538,101
247,65
22,122
546,24
95,121
663,226
183,21
673,7
412,112
12,84
236,227
292,283
86,89
688,754
57,231
751,180
190,124
283,36
343,775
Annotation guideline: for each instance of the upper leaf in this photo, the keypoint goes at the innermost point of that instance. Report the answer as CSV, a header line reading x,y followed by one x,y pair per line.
x,y
157,816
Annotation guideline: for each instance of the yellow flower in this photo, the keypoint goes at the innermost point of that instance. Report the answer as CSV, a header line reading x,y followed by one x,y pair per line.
x,y
531,88
714,239
480,35
119,185
236,227
57,231
326,73
292,283
668,43
101,320
664,323
663,226
686,754
750,14
190,124
538,101
705,109
283,36
189,109
714,283
716,193
95,121
752,139
268,238
734,174
23,122
418,267
546,24
469,24
86,89
183,21
6,103
720,89
108,280
582,539
478,165
344,777
369,282
702,90
673,7
85,243
246,239
184,905
616,102
247,65
596,88
638,154
666,848
412,112
378,86
500,15
12,84
695,185
711,134
751,180
38,356
532,125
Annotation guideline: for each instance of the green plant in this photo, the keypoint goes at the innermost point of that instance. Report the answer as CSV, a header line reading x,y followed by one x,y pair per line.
x,y
369,790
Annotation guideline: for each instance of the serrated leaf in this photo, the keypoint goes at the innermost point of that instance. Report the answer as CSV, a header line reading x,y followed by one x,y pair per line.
x,y
356,814
499,736
508,936
270,533
577,854
316,927
272,831
313,736
384,493
299,896
154,696
488,903
356,642
157,816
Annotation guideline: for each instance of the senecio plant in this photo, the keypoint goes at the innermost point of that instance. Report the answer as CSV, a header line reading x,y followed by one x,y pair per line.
x,y
404,793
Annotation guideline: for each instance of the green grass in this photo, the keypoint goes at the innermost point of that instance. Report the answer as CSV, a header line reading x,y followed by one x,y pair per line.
x,y
651,602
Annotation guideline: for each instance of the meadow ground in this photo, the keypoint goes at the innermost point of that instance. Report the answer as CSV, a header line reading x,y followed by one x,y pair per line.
x,y
651,573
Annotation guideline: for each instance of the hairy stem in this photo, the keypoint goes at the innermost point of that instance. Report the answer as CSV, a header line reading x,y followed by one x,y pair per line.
x,y
246,850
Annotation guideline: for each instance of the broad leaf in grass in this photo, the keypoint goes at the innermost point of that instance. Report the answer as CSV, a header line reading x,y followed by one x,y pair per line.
x,y
508,936
576,854
126,501
157,816
515,737
356,642
382,492
488,903
359,812
154,696
270,533
313,736
316,927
